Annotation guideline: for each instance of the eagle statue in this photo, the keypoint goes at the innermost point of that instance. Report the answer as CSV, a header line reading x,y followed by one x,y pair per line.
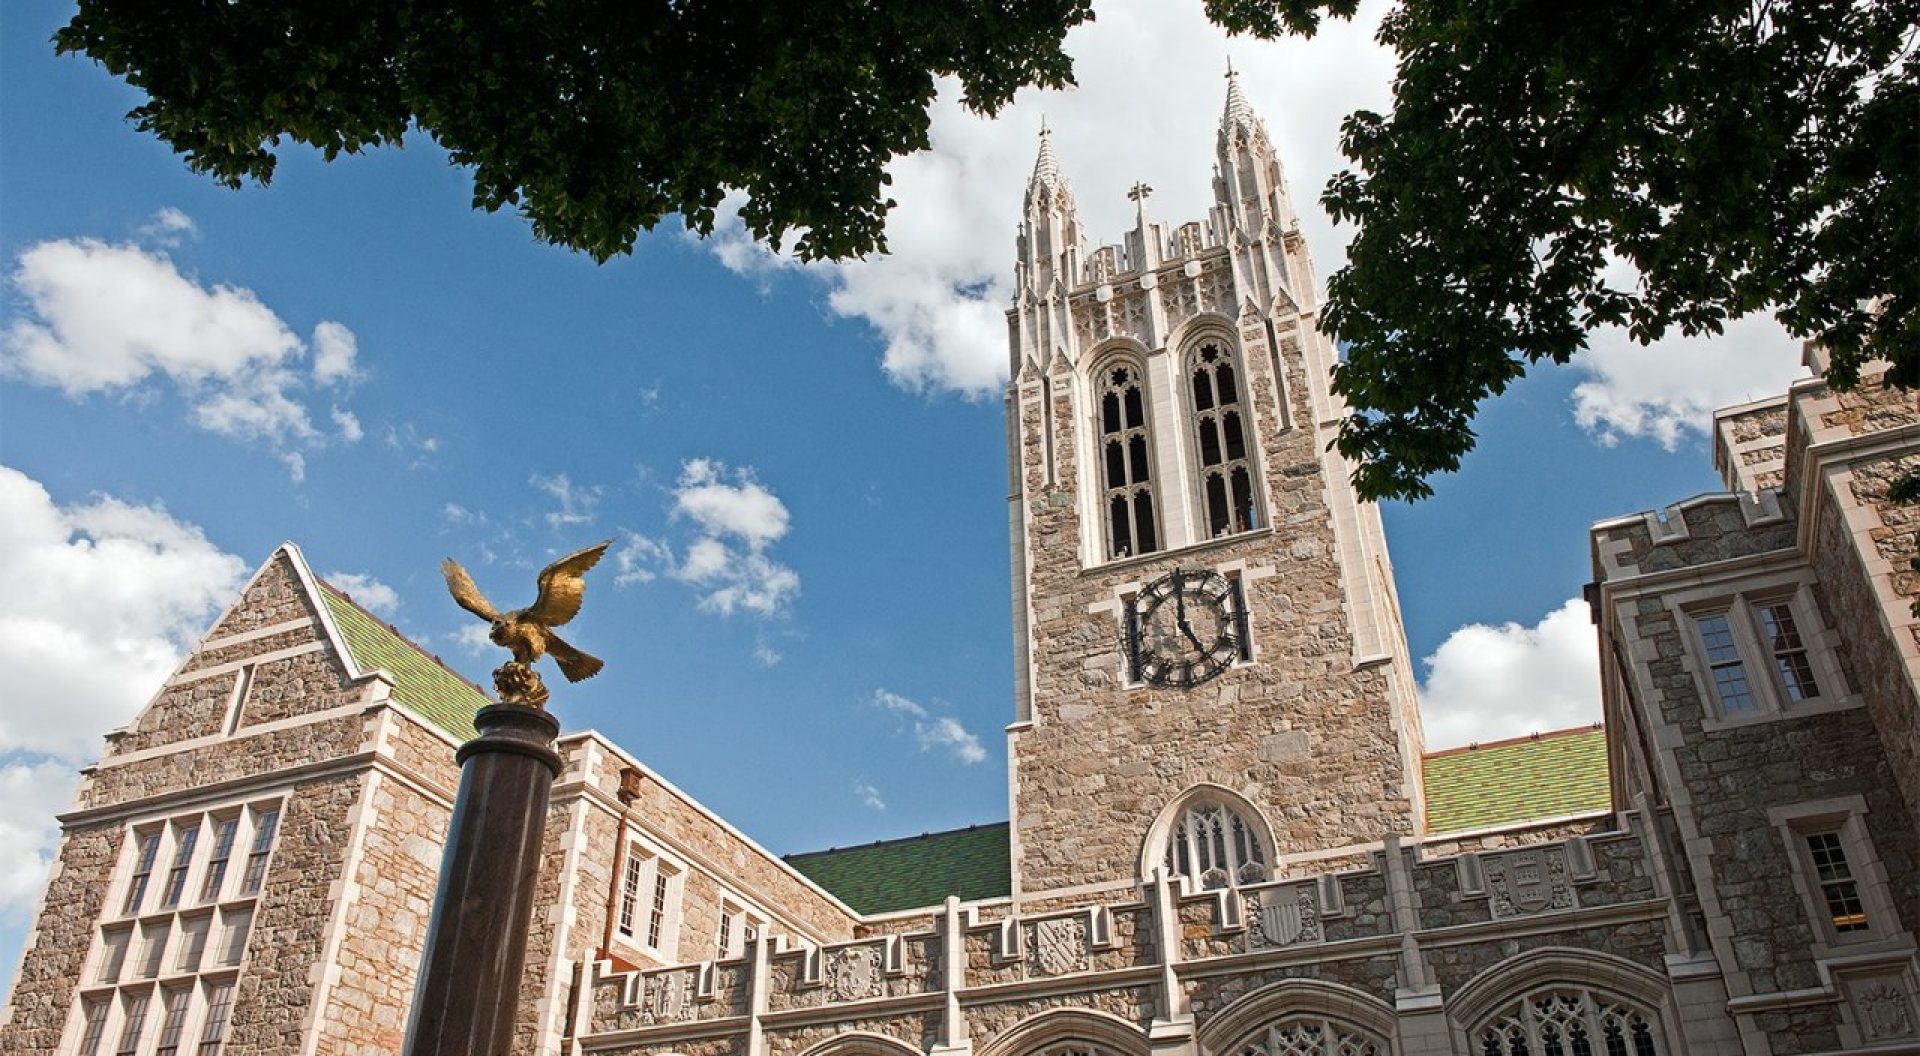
x,y
528,632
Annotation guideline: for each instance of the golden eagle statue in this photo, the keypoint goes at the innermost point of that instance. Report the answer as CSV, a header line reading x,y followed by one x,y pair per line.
x,y
528,632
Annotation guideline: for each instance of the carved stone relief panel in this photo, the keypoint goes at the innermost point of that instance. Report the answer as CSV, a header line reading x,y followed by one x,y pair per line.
x,y
1180,300
853,974
1131,316
1060,945
1216,289
666,997
1882,1008
1288,916
1522,883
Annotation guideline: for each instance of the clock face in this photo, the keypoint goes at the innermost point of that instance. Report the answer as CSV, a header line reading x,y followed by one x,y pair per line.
x,y
1184,628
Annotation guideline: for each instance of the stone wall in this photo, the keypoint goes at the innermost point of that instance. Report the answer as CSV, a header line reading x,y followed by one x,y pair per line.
x,y
43,991
1300,732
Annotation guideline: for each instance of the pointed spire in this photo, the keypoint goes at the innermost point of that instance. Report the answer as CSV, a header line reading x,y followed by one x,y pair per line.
x,y
1046,168
1238,111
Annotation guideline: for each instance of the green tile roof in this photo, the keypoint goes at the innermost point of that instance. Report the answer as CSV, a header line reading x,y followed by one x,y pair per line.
x,y
422,685
1545,776
915,872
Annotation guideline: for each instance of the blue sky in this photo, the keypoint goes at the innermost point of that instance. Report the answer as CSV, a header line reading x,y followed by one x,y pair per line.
x,y
808,626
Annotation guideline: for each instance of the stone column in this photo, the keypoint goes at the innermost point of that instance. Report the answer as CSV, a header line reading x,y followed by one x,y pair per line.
x,y
468,992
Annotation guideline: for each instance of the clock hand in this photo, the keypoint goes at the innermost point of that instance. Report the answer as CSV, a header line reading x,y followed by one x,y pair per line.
x,y
1187,628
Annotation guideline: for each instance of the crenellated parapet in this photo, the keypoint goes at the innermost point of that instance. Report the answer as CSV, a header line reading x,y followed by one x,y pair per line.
x,y
1163,962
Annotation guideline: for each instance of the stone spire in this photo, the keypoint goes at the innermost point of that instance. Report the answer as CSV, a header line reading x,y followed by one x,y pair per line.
x,y
1238,113
1047,184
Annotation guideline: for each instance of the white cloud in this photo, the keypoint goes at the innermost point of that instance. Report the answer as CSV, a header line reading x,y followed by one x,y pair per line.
x,y
471,638
766,654
736,519
349,425
116,319
371,594
416,450
167,227
103,599
937,298
869,795
1668,389
930,731
31,793
578,505
744,508
639,559
335,350
1489,683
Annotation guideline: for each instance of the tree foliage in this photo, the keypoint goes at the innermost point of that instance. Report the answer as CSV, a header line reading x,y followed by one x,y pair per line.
x,y
1547,168
596,119
1734,157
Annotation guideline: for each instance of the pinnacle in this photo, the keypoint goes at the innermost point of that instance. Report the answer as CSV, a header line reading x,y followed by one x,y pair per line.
x,y
1238,111
1047,180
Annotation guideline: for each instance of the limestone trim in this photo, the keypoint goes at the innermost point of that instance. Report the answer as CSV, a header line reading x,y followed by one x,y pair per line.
x,y
1153,847
1846,817
344,893
716,820
1544,923
228,668
1058,1025
309,718
1495,830
213,644
1480,997
1817,458
862,1043
1234,1024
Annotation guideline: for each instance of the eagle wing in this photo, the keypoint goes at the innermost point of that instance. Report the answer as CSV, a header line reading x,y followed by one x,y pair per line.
x,y
562,585
460,585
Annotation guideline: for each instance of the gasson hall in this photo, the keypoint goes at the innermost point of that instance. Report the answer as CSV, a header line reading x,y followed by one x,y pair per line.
x,y
1226,836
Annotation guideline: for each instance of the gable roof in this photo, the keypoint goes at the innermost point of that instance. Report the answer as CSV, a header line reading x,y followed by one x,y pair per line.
x,y
918,871
1547,775
422,684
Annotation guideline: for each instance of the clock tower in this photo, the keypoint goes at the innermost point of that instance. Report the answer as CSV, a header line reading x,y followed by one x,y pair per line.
x,y
1211,672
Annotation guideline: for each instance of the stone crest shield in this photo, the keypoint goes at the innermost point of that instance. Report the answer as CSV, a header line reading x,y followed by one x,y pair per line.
x,y
1280,920
855,973
1527,882
1059,945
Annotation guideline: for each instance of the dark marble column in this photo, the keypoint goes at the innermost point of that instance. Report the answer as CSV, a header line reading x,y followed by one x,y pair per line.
x,y
468,991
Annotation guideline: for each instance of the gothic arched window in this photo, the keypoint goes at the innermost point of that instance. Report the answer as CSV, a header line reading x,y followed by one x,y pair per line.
x,y
1568,1021
1215,846
1126,460
1315,1036
1220,435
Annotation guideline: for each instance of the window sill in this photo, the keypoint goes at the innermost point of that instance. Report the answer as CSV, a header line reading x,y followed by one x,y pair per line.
x,y
1763,716
1121,563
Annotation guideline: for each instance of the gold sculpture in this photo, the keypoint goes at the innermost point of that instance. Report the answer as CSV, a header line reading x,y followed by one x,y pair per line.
x,y
528,632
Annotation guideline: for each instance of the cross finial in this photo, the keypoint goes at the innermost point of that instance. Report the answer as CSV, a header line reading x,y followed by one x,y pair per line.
x,y
1139,193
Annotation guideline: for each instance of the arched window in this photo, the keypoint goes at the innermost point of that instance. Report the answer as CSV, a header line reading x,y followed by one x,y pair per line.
x,y
1568,1021
1126,463
1220,435
1315,1036
1211,843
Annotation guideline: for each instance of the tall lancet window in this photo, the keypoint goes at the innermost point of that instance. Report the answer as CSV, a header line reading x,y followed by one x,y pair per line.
x,y
1126,463
1220,425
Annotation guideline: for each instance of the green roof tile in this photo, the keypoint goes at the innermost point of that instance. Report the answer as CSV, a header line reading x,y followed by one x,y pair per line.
x,y
1510,782
422,685
973,863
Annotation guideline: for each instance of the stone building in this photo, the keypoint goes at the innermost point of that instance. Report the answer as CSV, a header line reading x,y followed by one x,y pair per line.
x,y
1226,837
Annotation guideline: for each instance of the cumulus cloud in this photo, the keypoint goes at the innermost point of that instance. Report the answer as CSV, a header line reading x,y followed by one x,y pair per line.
x,y
1487,683
937,298
577,505
739,506
371,594
471,639
932,732
638,559
104,598
1669,389
120,320
737,519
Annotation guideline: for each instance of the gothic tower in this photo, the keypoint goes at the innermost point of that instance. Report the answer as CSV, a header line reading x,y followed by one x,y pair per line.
x,y
1211,672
